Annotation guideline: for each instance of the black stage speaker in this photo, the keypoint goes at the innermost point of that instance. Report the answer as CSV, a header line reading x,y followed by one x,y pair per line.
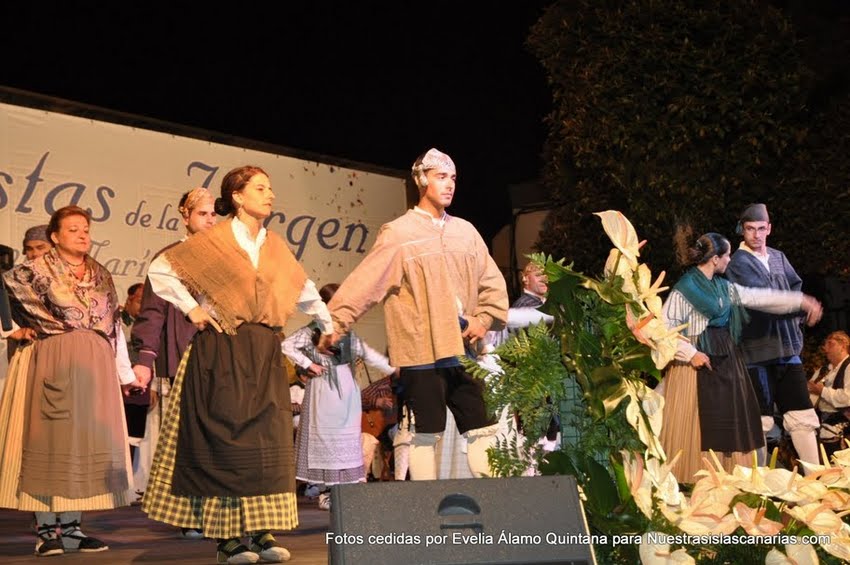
x,y
463,521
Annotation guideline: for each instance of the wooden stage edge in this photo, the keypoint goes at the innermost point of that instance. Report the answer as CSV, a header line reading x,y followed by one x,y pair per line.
x,y
133,538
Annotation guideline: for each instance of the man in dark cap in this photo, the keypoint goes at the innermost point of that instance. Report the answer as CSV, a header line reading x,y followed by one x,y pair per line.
x,y
36,242
772,343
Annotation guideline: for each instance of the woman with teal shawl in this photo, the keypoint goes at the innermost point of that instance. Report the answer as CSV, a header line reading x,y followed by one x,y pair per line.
x,y
709,401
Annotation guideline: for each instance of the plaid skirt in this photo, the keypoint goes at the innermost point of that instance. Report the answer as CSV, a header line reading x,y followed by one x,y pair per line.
x,y
218,517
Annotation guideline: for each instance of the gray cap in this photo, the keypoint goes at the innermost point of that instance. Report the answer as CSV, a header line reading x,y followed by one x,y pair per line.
x,y
755,213
752,213
37,233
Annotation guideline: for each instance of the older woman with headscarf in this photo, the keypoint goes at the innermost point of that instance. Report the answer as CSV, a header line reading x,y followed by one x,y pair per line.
x,y
62,431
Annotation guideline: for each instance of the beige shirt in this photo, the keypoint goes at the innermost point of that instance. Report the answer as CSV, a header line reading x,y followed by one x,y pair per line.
x,y
422,272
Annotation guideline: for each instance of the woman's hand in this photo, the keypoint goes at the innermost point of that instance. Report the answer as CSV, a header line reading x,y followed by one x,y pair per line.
x,y
143,374
315,370
201,318
23,334
700,360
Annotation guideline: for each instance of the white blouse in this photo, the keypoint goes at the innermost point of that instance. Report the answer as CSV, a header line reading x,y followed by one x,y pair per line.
x,y
168,286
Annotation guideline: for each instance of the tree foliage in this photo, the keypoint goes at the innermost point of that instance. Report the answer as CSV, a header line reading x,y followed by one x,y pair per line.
x,y
673,111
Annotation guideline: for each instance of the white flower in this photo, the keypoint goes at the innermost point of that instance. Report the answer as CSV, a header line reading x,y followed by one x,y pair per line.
x,y
617,265
839,544
666,485
639,482
645,413
818,517
622,235
659,553
754,522
797,554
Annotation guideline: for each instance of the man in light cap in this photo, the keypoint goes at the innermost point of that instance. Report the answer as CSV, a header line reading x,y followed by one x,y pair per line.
x,y
772,343
161,334
441,292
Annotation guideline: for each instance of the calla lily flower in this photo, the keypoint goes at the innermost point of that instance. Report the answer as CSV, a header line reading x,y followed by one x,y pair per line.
x,y
715,481
622,235
703,516
639,482
836,500
839,544
842,457
666,485
754,522
795,554
644,402
818,517
648,291
652,332
778,483
660,554
617,265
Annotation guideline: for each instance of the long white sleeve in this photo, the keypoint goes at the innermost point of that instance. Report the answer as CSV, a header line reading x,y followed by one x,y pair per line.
x,y
524,317
168,286
292,345
374,358
677,311
122,359
770,300
310,303
836,398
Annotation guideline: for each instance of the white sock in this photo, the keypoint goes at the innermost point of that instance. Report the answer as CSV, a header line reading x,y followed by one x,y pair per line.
x,y
806,445
423,462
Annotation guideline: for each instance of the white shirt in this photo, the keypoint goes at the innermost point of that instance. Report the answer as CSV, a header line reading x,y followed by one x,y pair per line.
x,y
833,399
168,286
439,222
764,258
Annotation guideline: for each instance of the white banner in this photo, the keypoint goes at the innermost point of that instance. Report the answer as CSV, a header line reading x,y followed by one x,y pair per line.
x,y
131,180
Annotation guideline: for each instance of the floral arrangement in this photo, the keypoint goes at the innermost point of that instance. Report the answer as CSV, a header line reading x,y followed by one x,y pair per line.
x,y
607,341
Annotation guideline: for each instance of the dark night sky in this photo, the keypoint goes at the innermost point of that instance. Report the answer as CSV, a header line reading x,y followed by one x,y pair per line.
x,y
367,81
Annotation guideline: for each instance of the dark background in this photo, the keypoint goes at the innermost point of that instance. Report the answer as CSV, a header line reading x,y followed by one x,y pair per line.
x,y
373,82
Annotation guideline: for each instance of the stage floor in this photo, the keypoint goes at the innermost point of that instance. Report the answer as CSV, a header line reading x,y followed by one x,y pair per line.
x,y
132,538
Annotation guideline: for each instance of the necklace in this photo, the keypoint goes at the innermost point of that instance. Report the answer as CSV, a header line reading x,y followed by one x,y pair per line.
x,y
80,264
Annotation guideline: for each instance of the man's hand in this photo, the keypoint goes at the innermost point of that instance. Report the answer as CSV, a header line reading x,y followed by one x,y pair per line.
x,y
201,318
815,388
143,374
127,389
23,334
475,330
813,309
